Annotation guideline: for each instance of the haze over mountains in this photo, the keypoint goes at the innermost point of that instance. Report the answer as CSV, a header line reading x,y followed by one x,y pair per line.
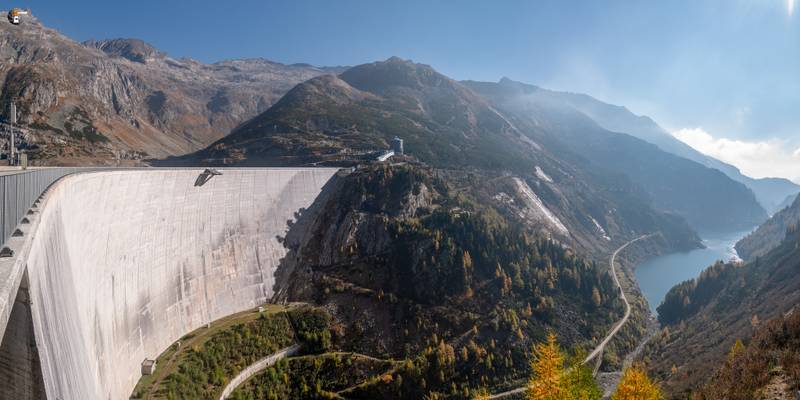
x,y
490,126
770,234
131,101
709,200
770,192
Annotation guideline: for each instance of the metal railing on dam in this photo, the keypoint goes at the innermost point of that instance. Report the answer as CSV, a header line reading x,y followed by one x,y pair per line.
x,y
19,189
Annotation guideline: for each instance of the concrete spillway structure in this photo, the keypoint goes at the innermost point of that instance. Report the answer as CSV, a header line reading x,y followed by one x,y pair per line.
x,y
118,265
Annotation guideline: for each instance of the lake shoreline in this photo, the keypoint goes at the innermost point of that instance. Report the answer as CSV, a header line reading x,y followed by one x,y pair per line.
x,y
656,276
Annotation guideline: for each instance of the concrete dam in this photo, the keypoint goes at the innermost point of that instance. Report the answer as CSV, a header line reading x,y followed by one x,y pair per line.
x,y
112,267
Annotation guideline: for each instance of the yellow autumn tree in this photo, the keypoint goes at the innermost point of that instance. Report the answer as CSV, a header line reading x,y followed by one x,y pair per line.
x,y
736,349
635,385
547,366
481,394
596,297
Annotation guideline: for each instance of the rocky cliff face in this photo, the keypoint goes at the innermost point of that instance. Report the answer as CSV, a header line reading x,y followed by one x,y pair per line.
x,y
103,101
132,49
402,262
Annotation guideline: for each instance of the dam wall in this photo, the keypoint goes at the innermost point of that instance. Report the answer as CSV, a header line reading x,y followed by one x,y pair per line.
x,y
120,264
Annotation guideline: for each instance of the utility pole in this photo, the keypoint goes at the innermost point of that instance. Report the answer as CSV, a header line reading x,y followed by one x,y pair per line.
x,y
13,121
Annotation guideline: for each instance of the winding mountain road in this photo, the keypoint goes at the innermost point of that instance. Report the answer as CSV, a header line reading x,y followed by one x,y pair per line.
x,y
602,345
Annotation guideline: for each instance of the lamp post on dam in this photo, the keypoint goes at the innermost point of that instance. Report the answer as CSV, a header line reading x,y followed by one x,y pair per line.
x,y
12,120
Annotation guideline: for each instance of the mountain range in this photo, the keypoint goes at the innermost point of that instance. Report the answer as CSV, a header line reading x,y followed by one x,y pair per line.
x,y
123,101
336,119
770,192
450,124
708,200
495,225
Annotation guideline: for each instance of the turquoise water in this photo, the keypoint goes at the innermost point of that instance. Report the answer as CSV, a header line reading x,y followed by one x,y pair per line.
x,y
656,276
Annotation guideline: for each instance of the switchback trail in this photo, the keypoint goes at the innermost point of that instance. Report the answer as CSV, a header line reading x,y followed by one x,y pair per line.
x,y
602,345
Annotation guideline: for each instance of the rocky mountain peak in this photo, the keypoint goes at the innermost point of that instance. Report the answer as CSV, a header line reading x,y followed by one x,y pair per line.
x,y
325,88
382,76
108,101
521,88
132,49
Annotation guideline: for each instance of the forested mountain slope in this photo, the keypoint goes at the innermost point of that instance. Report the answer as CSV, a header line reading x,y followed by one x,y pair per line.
x,y
705,316
766,366
770,234
411,268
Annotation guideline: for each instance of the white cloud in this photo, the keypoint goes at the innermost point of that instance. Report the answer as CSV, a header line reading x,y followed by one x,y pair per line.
x,y
759,159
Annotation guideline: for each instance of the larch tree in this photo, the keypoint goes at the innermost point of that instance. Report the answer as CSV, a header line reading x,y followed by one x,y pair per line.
x,y
481,394
736,349
547,366
635,385
596,299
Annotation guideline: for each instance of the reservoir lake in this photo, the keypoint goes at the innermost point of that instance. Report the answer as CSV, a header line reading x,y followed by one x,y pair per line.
x,y
657,275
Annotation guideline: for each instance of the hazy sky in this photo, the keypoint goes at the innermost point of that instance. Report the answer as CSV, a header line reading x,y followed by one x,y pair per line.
x,y
722,75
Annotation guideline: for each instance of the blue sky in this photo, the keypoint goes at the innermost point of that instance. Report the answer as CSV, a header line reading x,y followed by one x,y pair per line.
x,y
722,75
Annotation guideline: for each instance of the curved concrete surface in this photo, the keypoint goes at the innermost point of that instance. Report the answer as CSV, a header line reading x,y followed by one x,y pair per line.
x,y
121,264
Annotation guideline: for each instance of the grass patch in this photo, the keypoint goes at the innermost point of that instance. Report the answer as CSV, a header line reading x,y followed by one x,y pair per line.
x,y
208,345
313,377
208,358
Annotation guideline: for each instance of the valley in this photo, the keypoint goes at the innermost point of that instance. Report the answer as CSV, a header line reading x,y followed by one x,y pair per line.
x,y
382,231
728,303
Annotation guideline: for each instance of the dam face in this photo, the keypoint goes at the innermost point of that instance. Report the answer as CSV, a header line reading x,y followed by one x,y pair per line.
x,y
121,264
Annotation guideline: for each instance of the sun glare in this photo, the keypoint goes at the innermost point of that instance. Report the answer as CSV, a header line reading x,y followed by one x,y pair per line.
x,y
790,7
